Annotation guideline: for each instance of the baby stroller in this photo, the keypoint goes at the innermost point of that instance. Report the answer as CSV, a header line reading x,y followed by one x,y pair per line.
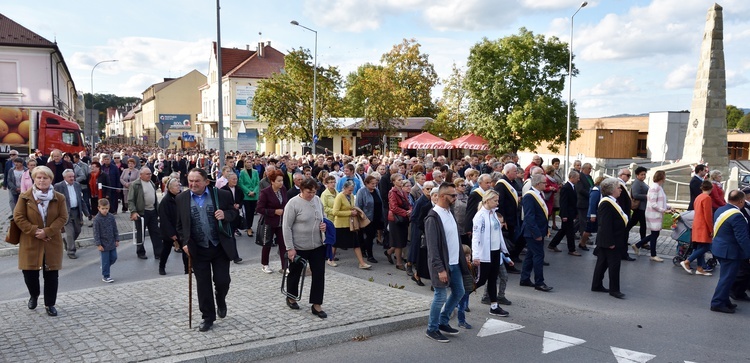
x,y
682,231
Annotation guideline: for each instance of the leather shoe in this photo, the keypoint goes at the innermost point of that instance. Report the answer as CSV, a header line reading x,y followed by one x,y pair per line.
x,y
143,257
628,259
543,287
162,271
722,309
205,325
554,248
321,314
238,260
545,263
583,248
222,313
743,297
732,306
526,283
419,282
51,311
617,294
574,253
32,302
599,289
292,304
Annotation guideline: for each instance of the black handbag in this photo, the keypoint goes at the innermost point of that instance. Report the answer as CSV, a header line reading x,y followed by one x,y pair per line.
x,y
264,234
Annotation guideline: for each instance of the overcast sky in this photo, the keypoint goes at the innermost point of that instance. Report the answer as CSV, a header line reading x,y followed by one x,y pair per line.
x,y
634,56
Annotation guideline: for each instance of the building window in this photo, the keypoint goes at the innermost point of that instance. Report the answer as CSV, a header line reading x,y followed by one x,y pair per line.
x,y
9,76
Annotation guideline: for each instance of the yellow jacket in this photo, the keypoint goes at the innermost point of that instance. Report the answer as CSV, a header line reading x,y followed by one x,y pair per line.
x,y
342,210
327,198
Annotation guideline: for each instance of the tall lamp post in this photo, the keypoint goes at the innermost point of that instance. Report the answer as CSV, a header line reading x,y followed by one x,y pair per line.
x,y
95,121
220,100
570,90
315,84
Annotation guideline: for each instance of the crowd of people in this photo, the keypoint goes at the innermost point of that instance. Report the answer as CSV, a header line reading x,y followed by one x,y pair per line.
x,y
463,224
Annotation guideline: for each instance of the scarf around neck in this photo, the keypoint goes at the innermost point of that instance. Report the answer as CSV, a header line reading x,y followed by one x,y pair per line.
x,y
42,200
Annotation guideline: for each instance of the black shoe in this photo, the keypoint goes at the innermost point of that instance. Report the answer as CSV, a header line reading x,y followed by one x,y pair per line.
x,y
498,311
292,304
32,302
238,260
732,306
526,283
321,314
503,301
437,336
143,257
389,257
545,263
418,281
543,287
467,310
372,260
599,289
722,309
157,256
205,325
583,248
743,297
486,300
72,256
628,258
222,313
51,311
447,329
162,271
514,271
617,294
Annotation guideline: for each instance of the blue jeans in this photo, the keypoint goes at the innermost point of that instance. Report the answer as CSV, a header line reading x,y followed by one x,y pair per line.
x,y
462,305
699,254
108,259
442,307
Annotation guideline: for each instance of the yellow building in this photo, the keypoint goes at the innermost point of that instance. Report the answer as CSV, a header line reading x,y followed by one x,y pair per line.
x,y
176,101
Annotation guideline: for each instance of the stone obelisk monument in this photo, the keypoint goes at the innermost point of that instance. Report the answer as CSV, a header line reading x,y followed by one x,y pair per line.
x,y
706,138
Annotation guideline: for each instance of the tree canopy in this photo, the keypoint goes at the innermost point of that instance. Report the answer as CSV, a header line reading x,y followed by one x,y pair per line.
x,y
413,72
285,100
453,118
515,87
102,102
734,115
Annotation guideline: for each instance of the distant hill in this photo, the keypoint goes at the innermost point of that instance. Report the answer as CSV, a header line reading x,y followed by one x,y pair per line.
x,y
626,115
745,110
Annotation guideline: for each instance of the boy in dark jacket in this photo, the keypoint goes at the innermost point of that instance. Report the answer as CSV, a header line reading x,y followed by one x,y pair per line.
x,y
106,238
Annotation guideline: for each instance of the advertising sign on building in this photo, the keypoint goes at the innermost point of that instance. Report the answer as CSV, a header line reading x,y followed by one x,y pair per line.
x,y
243,102
248,141
177,122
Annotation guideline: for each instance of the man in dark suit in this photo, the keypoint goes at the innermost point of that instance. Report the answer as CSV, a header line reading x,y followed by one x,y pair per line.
x,y
695,183
76,209
731,244
534,229
625,201
509,207
568,215
583,189
203,225
611,234
291,193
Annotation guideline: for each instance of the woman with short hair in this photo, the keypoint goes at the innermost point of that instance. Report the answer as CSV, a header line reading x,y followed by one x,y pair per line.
x,y
612,222
369,201
717,193
703,227
271,205
128,176
343,210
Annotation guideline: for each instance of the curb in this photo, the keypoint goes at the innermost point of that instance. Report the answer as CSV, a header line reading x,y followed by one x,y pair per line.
x,y
294,344
80,243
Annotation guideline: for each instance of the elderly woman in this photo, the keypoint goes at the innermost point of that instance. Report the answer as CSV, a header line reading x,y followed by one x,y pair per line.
x,y
303,230
327,198
128,175
399,210
41,214
369,201
655,208
610,237
343,209
717,193
168,225
459,210
26,180
550,189
271,205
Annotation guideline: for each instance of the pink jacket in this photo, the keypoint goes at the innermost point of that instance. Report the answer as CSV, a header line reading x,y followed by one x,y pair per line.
x,y
26,182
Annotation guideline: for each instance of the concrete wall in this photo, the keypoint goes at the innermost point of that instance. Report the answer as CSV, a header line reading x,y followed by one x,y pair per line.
x,y
666,128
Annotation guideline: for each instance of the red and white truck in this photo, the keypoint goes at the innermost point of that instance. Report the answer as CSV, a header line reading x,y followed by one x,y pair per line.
x,y
27,130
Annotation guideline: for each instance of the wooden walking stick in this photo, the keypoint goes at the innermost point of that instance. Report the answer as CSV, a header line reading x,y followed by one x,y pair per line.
x,y
190,291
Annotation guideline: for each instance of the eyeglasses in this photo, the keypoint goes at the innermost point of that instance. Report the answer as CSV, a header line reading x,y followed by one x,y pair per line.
x,y
625,175
451,195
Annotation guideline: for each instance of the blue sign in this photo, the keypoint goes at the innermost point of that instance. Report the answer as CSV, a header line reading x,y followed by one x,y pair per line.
x,y
315,139
177,121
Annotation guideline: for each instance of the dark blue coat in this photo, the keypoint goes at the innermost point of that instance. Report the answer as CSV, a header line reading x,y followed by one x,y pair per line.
x,y
534,220
731,241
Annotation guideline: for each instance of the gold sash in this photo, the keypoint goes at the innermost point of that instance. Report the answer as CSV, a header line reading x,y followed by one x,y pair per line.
x,y
617,208
540,201
723,218
510,188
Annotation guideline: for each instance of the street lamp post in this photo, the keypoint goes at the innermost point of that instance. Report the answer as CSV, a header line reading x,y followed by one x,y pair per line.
x,y
220,124
315,83
570,90
95,121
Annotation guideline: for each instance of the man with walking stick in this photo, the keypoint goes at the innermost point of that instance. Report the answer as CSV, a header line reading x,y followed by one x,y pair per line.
x,y
203,222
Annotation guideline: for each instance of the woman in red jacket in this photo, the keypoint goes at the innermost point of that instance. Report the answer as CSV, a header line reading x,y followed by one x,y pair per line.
x,y
717,193
703,226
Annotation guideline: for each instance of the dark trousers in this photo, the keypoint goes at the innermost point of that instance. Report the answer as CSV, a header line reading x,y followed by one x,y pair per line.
x,y
87,200
250,211
366,239
31,278
488,273
608,258
638,217
151,221
651,239
206,260
534,261
114,199
267,247
582,220
566,230
742,282
519,243
316,259
727,275
166,249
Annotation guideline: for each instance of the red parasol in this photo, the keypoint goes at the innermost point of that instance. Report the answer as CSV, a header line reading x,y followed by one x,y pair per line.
x,y
470,142
425,140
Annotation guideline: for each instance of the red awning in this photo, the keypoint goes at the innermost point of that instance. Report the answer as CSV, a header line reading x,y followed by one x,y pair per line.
x,y
425,140
470,142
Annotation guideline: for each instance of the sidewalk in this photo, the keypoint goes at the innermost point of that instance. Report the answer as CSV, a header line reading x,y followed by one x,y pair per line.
x,y
148,321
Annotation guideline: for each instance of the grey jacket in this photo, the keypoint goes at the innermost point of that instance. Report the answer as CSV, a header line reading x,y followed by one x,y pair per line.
x,y
639,191
365,202
62,188
437,249
301,224
82,171
10,178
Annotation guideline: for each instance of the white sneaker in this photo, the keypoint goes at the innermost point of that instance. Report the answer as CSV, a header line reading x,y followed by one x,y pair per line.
x,y
107,280
332,263
267,269
656,259
686,266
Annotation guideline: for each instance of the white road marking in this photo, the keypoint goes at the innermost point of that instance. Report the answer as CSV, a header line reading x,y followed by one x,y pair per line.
x,y
630,356
494,326
554,341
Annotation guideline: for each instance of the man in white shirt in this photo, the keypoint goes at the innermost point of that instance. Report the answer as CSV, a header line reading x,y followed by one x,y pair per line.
x,y
76,209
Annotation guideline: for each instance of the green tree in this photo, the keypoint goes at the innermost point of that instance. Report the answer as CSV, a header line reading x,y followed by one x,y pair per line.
x,y
515,89
373,94
734,115
744,123
453,119
413,71
285,100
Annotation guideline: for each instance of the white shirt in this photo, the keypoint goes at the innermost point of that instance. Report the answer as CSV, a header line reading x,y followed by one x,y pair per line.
x,y
451,234
149,195
72,195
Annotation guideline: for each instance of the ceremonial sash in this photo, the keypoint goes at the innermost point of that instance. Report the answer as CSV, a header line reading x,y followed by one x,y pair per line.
x,y
540,201
617,208
723,217
625,187
510,188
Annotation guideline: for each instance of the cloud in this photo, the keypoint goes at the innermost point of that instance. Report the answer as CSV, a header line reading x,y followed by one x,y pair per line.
x,y
610,86
356,15
592,104
682,77
469,14
553,4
